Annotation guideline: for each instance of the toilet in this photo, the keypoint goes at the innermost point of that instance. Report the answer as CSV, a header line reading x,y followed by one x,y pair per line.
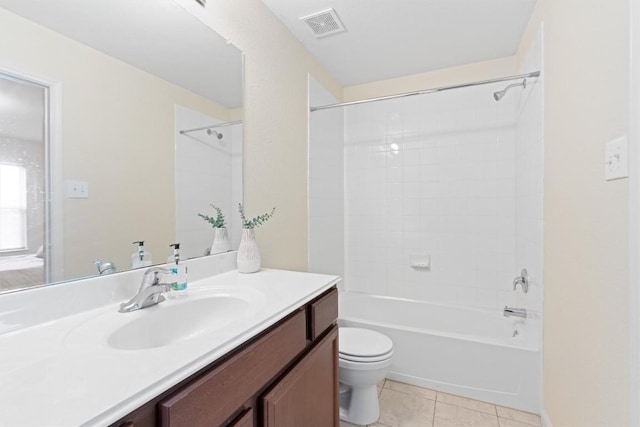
x,y
364,358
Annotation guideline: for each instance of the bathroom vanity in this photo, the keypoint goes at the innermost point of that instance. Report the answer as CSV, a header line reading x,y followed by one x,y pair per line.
x,y
286,377
241,350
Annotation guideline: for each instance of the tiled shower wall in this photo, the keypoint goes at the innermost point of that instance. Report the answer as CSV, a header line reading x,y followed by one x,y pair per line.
x,y
326,184
431,179
452,179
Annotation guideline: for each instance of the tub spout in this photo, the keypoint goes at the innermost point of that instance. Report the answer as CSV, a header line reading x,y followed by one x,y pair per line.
x,y
516,312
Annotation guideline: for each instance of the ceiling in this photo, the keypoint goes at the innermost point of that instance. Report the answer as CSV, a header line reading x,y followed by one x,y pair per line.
x,y
393,38
158,36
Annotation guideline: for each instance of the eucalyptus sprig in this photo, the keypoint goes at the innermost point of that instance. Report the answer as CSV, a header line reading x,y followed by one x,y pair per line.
x,y
218,221
254,222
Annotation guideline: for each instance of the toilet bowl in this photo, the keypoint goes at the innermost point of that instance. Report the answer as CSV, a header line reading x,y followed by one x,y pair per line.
x,y
364,358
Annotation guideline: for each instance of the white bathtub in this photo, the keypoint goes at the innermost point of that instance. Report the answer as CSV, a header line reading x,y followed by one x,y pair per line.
x,y
464,351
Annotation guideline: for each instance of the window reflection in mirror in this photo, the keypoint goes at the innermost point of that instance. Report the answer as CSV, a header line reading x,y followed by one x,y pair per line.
x,y
22,184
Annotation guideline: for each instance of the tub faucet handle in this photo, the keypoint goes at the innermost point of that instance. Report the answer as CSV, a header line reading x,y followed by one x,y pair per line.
x,y
522,280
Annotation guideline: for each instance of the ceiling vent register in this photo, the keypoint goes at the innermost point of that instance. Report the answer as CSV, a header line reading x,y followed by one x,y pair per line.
x,y
324,23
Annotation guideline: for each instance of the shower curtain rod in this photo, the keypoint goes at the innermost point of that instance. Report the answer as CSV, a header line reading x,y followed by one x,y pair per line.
x,y
425,91
237,122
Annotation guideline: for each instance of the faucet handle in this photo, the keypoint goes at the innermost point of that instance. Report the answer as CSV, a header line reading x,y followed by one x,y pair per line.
x,y
522,280
151,278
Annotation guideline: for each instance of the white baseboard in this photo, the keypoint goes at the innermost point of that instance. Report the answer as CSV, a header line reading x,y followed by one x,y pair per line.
x,y
546,422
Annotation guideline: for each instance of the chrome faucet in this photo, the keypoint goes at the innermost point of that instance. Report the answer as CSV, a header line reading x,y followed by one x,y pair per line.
x,y
523,280
516,312
150,292
105,267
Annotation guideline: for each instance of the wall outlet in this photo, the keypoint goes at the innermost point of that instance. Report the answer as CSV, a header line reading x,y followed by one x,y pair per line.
x,y
77,189
616,159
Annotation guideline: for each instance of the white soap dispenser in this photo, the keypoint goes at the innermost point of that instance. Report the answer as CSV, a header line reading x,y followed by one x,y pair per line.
x,y
178,277
141,257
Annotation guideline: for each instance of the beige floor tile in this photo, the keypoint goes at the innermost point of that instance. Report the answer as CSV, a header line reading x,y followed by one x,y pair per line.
x,y
404,410
378,425
457,416
523,417
410,389
463,402
505,422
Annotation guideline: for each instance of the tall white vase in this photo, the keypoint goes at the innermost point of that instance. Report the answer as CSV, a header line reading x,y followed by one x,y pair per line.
x,y
248,252
221,242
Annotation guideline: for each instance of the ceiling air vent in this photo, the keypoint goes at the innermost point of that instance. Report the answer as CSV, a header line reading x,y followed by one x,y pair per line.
x,y
324,23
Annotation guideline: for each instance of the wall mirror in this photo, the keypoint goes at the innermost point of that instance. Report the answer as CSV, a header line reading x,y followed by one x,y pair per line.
x,y
120,121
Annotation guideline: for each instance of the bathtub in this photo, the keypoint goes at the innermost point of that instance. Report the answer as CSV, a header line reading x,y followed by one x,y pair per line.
x,y
464,351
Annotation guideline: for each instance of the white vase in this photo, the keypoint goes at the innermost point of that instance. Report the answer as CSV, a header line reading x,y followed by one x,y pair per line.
x,y
248,252
221,242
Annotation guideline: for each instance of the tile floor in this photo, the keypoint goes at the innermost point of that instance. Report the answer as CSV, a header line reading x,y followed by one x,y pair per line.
x,y
404,405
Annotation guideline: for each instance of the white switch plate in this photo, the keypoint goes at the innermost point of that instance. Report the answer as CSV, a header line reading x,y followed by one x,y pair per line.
x,y
616,159
77,189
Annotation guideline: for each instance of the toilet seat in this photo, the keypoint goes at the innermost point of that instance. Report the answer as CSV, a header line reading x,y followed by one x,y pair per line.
x,y
364,345
366,359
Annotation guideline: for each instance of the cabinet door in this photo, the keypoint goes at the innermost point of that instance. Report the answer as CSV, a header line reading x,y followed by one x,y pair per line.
x,y
244,420
308,395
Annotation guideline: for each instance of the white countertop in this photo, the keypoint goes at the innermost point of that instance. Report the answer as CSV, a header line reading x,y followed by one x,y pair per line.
x,y
63,372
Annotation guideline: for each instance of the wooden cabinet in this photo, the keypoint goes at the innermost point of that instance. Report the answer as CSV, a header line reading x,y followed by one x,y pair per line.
x,y
245,419
285,376
306,395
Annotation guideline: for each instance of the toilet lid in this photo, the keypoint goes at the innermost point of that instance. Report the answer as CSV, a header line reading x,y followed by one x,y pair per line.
x,y
363,343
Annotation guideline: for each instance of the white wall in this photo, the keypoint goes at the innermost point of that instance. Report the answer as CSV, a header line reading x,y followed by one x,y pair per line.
x,y
432,176
586,234
586,224
326,184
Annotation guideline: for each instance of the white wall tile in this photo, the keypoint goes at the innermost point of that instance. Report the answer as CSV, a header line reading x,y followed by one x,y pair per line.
x,y
327,152
438,174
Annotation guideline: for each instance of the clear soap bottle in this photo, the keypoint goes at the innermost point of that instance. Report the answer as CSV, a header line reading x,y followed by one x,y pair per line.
x,y
178,277
141,257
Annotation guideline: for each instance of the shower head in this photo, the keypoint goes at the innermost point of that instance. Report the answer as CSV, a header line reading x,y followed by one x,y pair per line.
x,y
213,132
501,93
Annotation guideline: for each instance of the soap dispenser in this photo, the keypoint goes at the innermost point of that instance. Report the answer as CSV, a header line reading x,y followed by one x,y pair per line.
x,y
141,257
178,277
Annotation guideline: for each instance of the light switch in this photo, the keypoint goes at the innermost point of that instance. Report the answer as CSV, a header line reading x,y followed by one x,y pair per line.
x,y
77,189
616,159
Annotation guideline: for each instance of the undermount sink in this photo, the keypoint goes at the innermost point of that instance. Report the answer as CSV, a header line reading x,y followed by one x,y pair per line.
x,y
169,323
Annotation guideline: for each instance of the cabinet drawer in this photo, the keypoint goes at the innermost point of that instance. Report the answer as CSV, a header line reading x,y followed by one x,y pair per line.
x,y
215,397
323,312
